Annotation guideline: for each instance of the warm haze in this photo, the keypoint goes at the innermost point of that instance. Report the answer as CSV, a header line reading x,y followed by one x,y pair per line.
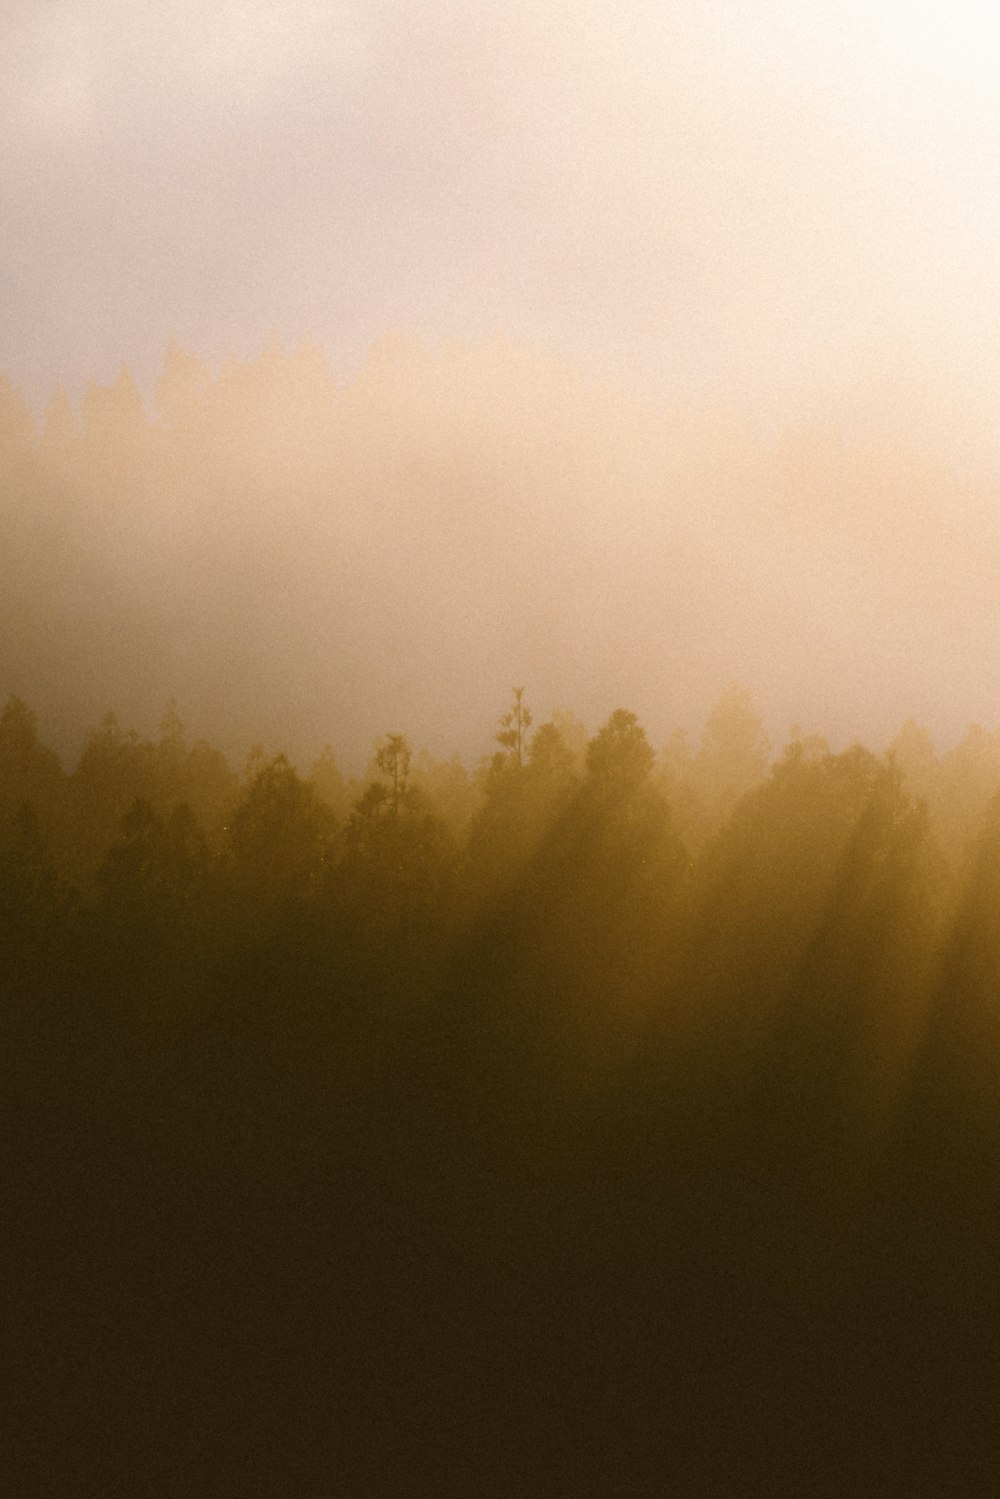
x,y
716,292
786,205
500,748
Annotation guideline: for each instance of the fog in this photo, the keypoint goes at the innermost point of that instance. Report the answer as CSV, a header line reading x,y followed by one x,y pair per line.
x,y
300,561
500,746
792,208
649,352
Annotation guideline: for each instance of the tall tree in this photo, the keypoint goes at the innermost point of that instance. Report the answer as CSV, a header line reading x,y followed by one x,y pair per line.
x,y
514,725
733,756
393,758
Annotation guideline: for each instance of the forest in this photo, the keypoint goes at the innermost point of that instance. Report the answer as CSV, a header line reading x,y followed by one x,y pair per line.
x,y
596,1118
499,749
610,1112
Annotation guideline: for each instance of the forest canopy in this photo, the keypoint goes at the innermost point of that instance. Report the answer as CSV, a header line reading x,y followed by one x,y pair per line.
x,y
715,1008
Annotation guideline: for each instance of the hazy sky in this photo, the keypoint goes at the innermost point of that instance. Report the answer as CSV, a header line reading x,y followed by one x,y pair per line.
x,y
776,219
791,205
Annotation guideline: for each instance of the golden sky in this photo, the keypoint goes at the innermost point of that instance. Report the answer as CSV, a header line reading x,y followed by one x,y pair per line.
x,y
776,223
789,205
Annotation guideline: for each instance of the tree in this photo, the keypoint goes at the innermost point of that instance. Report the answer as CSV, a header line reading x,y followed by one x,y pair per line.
x,y
733,756
449,787
114,771
619,758
551,770
677,781
326,779
195,774
281,835
524,787
843,1049
514,725
33,901
393,757
398,853
153,878
598,895
29,771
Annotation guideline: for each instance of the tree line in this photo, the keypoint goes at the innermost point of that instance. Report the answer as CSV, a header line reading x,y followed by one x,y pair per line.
x,y
595,1069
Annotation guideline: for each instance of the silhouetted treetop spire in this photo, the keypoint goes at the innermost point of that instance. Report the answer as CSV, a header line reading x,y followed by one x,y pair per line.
x,y
514,725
